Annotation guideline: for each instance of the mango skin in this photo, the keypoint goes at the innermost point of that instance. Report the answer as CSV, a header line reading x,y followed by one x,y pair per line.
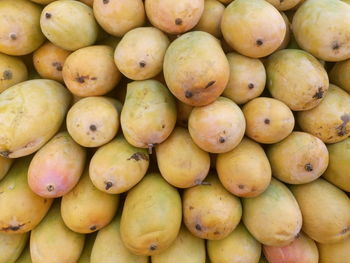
x,y
183,113
149,113
337,252
12,71
25,256
52,241
24,108
274,217
85,255
195,68
339,165
340,74
185,249
239,246
5,165
151,216
245,171
56,168
210,212
109,247
284,5
86,209
21,209
325,209
11,246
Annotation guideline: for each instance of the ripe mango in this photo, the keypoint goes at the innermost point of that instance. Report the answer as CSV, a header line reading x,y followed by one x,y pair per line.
x,y
325,209
24,108
11,246
340,74
5,165
21,209
85,255
12,71
52,241
25,256
337,252
274,217
151,216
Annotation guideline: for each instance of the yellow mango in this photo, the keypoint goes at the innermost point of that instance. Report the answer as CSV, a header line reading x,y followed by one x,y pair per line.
x,y
12,71
11,246
337,252
25,256
5,165
85,255
340,74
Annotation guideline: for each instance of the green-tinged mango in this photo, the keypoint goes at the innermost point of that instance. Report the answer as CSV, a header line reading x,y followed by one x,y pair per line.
x,y
185,249
86,209
12,71
210,211
195,68
340,74
11,246
274,217
149,113
151,216
85,256
5,165
118,166
184,168
31,112
239,246
52,241
325,209
25,256
21,209
335,253
109,247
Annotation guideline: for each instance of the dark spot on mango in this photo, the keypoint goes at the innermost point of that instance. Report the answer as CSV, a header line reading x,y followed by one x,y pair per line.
x,y
105,2
152,247
5,154
93,127
308,167
222,140
7,75
50,188
342,127
108,185
138,156
93,228
259,42
81,79
13,36
12,228
45,201
48,15
335,45
198,227
93,78
216,233
251,86
345,230
319,93
163,126
142,64
241,186
57,65
267,121
210,83
191,207
178,21
188,94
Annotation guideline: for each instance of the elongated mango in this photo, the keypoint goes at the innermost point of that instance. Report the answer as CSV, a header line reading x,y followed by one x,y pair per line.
x,y
11,246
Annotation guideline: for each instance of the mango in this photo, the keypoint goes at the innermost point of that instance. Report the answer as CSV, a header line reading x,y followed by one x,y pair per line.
x,y
12,71
245,171
195,68
183,113
69,24
85,255
25,256
325,209
52,241
21,209
340,74
218,127
296,78
210,211
185,249
24,108
239,246
186,168
334,126
274,217
322,27
5,164
11,246
109,248
86,209
287,36
298,159
118,166
149,113
337,252
284,4
151,216
256,37
56,168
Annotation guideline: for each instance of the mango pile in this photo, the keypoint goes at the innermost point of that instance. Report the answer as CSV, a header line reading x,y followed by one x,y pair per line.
x,y
175,131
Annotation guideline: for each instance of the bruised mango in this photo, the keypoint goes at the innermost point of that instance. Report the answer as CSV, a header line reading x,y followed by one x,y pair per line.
x,y
5,164
12,71
340,75
336,252
11,246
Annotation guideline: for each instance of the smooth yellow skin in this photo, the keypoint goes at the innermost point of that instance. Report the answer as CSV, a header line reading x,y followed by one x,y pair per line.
x,y
21,209
195,68
86,209
268,120
91,71
140,53
247,78
274,217
5,164
25,256
117,17
24,108
288,34
300,158
330,120
185,249
210,212
183,113
20,32
118,166
85,255
245,171
210,20
11,246
339,165
69,24
253,28
51,241
325,209
218,127
337,252
12,71
185,169
340,74
151,216
296,78
285,4
109,247
239,246
149,113
93,121
174,17
313,33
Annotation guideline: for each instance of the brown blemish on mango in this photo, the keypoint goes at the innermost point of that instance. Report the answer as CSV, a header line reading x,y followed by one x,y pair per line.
x,y
309,167
93,228
13,36
93,127
12,228
7,75
57,65
178,21
50,188
259,42
139,156
210,83
198,227
152,247
342,127
318,94
108,185
251,86
5,154
48,15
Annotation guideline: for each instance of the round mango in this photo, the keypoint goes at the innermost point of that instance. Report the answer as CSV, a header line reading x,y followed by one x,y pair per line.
x,y
12,71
